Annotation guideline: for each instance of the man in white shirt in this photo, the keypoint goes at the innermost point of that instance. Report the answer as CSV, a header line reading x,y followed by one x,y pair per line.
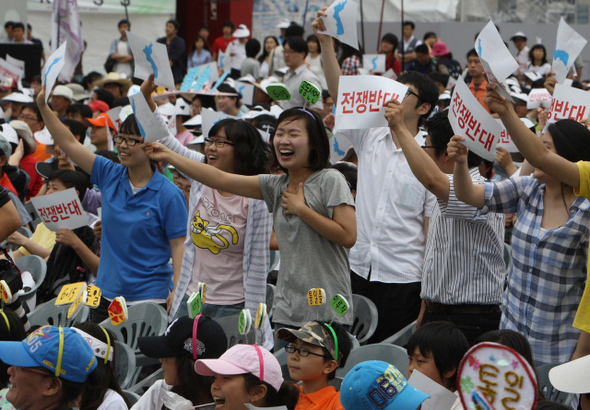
x,y
392,206
295,51
522,51
236,50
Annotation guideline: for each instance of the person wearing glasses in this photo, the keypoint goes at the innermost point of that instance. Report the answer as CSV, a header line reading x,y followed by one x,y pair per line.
x,y
463,275
228,236
316,350
143,217
48,369
392,206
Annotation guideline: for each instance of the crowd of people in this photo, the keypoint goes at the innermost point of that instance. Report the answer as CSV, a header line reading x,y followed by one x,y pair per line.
x,y
469,249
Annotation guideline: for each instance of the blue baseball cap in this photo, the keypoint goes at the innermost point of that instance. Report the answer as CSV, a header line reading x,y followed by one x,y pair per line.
x,y
61,350
378,385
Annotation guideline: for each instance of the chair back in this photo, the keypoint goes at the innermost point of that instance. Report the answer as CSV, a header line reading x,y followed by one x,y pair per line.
x,y
230,327
364,322
550,392
124,364
395,355
49,314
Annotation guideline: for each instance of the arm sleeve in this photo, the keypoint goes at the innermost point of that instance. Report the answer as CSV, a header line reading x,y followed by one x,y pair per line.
x,y
176,214
335,190
113,48
584,168
457,209
103,170
269,185
503,196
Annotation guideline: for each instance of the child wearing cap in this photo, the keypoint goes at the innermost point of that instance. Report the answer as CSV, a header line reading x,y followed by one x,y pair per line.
x,y
247,374
316,350
436,350
378,385
185,341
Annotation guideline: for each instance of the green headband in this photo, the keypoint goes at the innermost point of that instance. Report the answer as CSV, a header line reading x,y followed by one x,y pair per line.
x,y
335,341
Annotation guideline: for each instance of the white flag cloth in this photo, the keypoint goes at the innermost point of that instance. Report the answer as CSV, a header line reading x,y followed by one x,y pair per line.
x,y
66,24
151,57
568,46
341,22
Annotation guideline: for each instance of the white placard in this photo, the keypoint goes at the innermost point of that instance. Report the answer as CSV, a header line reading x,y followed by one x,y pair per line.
x,y
568,46
341,22
151,57
538,97
495,58
390,74
172,125
60,210
440,398
8,70
52,68
223,62
374,62
149,127
505,141
20,64
362,100
246,90
339,144
210,118
568,103
471,120
114,115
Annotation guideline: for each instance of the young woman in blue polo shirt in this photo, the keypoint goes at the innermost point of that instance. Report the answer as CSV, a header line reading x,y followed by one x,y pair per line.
x,y
143,217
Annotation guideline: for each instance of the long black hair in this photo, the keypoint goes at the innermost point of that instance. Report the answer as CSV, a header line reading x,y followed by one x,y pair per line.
x,y
288,394
102,379
264,53
251,153
192,386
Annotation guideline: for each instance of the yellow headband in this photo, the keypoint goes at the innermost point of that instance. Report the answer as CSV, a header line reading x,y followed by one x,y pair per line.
x,y
106,359
5,319
61,351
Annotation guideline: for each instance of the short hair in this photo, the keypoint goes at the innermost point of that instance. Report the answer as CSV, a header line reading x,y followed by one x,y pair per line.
x,y
429,34
226,88
326,95
228,24
204,26
472,53
316,40
121,102
90,78
18,24
426,87
130,126
571,140
319,146
422,49
344,346
8,24
76,128
294,30
350,172
105,96
444,343
124,21
251,153
35,108
391,39
71,179
175,23
84,110
252,48
297,44
29,27
409,23
440,131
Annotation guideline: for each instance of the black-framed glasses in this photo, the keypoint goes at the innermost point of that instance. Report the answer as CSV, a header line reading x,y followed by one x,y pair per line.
x,y
218,143
23,117
303,351
129,141
410,92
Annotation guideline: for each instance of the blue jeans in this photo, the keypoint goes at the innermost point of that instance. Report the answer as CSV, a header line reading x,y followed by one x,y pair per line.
x,y
212,311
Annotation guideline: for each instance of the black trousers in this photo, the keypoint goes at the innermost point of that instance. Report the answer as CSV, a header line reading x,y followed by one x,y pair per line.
x,y
398,304
472,325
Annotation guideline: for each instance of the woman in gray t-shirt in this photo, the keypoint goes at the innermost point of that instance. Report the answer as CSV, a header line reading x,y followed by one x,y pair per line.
x,y
313,213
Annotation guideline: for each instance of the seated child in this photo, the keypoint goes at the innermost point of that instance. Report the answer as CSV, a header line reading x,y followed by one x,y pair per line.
x,y
436,350
376,385
316,350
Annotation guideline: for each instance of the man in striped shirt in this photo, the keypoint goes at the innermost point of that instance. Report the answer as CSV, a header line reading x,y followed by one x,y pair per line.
x,y
463,267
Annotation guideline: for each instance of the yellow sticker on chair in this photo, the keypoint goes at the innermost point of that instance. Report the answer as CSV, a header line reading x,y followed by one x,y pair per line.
x,y
5,292
78,303
93,294
69,293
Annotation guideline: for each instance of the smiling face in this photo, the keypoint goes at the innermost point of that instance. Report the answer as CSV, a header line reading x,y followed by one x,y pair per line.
x,y
221,158
229,392
26,387
131,156
226,104
291,144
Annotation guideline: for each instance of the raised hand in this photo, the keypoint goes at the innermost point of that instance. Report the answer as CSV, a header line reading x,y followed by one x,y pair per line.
x,y
456,150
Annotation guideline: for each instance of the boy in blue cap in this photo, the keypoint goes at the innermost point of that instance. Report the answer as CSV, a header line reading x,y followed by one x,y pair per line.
x,y
48,368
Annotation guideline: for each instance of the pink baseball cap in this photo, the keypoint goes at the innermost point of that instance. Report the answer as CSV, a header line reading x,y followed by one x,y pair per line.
x,y
242,359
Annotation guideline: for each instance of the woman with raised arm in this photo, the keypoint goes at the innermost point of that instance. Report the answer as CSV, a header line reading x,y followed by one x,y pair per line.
x,y
143,217
313,213
549,241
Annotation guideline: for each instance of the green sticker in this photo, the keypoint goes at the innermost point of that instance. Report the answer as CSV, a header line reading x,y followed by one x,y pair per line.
x,y
310,92
278,92
194,305
339,304
244,322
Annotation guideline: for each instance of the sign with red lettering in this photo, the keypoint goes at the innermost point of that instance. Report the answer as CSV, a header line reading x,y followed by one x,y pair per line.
x,y
61,210
568,103
362,100
494,376
538,97
470,120
8,70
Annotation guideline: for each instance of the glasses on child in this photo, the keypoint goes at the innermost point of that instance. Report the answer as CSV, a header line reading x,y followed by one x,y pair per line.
x,y
218,143
129,141
303,352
